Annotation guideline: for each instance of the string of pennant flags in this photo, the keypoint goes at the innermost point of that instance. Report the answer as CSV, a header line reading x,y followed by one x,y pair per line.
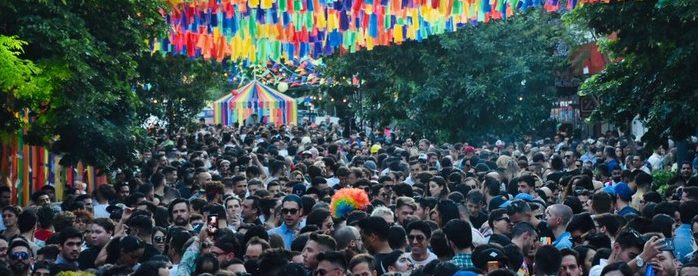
x,y
258,30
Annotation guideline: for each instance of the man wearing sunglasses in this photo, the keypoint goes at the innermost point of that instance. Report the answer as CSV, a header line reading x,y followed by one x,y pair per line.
x,y
418,236
20,258
291,207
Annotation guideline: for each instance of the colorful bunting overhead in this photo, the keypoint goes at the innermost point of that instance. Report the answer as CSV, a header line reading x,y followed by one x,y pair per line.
x,y
294,72
259,30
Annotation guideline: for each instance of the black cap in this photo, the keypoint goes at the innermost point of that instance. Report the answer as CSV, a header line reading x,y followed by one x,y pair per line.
x,y
480,258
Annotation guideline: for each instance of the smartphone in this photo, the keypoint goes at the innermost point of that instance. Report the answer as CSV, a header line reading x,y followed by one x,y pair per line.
x,y
212,224
545,241
666,245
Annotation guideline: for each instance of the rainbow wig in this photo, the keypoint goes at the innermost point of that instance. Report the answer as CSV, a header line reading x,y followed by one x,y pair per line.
x,y
347,200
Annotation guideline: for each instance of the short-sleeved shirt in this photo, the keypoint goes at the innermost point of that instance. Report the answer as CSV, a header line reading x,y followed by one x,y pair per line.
x,y
430,257
463,260
286,234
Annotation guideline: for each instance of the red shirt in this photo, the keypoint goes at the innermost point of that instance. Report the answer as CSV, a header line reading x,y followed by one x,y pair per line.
x,y
43,234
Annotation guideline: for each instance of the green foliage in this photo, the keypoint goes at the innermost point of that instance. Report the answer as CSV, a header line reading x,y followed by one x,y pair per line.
x,y
176,88
90,52
18,83
660,180
493,79
654,76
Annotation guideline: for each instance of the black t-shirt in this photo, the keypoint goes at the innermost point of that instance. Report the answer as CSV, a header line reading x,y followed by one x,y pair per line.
x,y
149,252
87,257
478,220
574,172
379,261
500,239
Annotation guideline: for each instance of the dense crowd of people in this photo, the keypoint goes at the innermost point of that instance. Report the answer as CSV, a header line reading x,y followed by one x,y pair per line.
x,y
257,200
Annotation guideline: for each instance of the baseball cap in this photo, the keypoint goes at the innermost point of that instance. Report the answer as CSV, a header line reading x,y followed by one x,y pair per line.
x,y
498,202
375,148
469,149
369,164
299,189
610,190
623,191
482,257
524,196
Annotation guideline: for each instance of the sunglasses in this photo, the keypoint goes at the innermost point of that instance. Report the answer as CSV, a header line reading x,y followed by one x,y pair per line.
x,y
504,219
159,239
418,238
22,256
287,211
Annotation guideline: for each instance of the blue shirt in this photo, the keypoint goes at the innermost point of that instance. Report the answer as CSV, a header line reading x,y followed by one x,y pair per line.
x,y
683,242
286,234
61,260
563,241
589,157
627,211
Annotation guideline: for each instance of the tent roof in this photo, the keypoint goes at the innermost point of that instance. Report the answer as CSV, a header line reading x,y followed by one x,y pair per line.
x,y
257,92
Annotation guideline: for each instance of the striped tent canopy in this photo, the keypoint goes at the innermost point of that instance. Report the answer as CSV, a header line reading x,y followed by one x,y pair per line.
x,y
255,98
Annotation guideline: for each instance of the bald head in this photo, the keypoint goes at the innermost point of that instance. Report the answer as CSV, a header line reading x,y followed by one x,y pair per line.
x,y
558,215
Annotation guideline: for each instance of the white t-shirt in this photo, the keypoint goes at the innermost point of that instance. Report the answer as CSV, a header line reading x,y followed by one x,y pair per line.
x,y
596,270
430,257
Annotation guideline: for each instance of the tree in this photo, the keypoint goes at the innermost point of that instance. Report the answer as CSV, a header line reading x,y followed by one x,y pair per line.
x,y
90,50
176,88
653,78
23,84
496,79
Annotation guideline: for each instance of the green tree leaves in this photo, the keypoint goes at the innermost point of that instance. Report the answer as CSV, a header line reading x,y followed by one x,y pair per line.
x,y
89,51
656,61
493,79
175,88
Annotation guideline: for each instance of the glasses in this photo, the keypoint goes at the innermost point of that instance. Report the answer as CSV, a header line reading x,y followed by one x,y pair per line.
x,y
504,219
323,272
418,238
159,239
289,211
22,256
568,156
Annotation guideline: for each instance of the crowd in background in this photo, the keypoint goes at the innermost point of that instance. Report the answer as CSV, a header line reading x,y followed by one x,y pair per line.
x,y
256,200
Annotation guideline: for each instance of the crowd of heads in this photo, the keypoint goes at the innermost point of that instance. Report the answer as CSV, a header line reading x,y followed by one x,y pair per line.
x,y
257,200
